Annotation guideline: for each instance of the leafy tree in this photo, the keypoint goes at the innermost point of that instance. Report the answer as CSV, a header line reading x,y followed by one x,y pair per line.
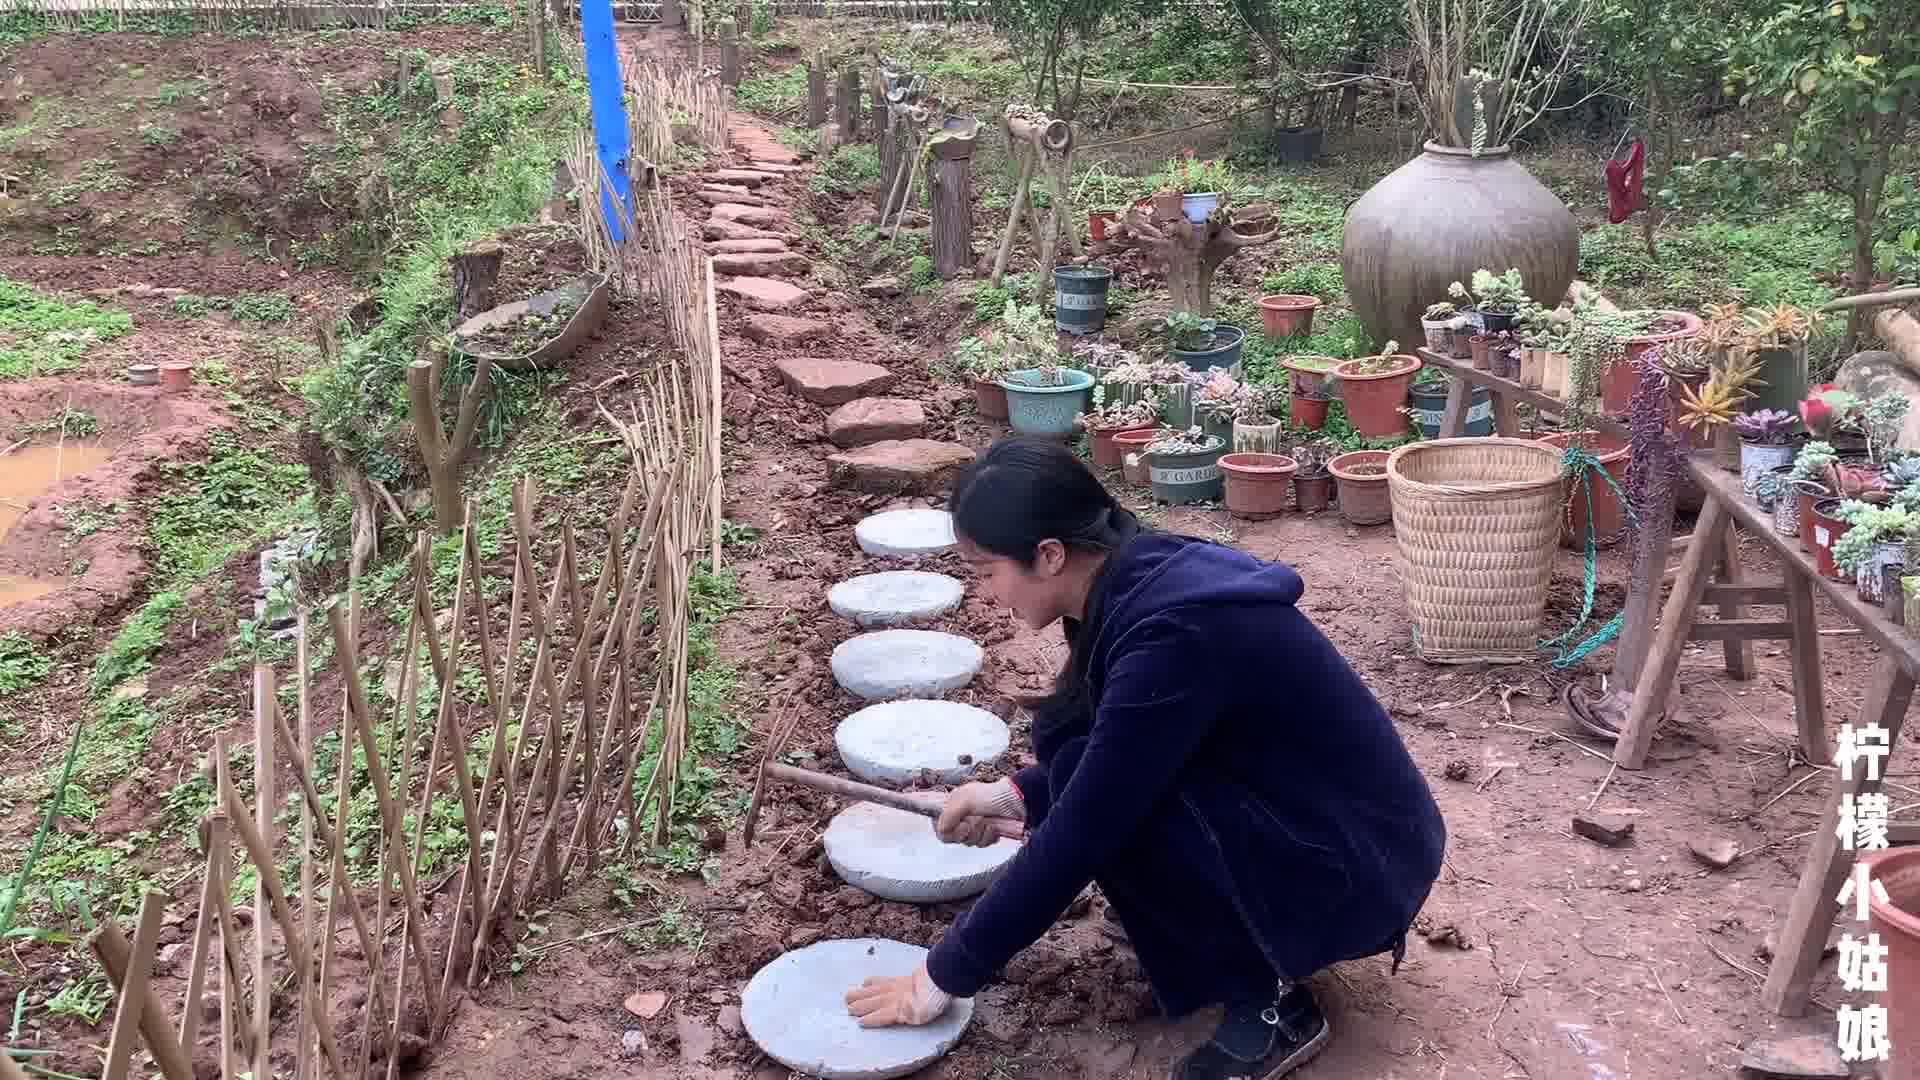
x,y
1313,48
1054,40
1849,70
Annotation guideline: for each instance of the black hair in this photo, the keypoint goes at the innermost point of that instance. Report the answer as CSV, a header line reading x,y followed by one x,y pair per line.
x,y
1023,491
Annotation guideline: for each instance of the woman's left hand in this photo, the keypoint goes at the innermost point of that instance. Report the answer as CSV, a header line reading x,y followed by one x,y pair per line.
x,y
910,1000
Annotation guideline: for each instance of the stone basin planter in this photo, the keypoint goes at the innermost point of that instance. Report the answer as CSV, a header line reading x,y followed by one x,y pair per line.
x,y
588,296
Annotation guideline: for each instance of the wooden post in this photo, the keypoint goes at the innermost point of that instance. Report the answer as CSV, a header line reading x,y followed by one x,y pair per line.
x,y
729,52
846,105
817,90
1809,688
1739,652
671,16
890,157
444,453
950,196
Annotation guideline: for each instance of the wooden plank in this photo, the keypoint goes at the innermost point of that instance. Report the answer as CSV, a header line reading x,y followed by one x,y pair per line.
x,y
1733,631
1809,687
1803,934
1903,834
1724,487
1656,682
1510,390
1453,418
133,989
116,955
1739,650
1770,595
1506,417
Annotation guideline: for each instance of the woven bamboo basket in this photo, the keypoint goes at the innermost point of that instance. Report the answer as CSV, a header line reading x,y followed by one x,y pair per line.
x,y
1477,522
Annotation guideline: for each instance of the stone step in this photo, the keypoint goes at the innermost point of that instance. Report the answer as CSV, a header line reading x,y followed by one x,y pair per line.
x,y
795,1010
875,419
895,856
882,665
745,177
832,382
761,264
734,247
764,294
778,168
896,742
728,198
893,597
733,230
759,217
729,189
784,330
900,466
905,533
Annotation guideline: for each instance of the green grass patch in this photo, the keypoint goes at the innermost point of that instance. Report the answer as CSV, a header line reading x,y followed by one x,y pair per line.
x,y
773,93
847,171
22,664
131,652
46,335
212,508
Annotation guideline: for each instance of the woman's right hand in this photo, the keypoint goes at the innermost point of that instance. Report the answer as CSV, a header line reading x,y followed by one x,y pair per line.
x,y
981,815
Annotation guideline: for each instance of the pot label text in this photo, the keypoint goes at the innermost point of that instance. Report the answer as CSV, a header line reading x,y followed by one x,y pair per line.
x,y
1078,301
1197,475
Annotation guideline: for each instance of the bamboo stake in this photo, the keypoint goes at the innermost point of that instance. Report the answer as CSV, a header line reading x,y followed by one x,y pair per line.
x,y
267,878
303,1053
135,989
339,882
119,960
714,417
202,942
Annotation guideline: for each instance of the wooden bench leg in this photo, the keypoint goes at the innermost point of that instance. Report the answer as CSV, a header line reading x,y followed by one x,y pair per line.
x,y
1652,540
1809,689
1506,418
1453,419
1676,620
1739,653
1803,936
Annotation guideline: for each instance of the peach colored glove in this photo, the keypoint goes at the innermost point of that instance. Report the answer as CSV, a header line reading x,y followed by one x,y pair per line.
x,y
980,815
909,1000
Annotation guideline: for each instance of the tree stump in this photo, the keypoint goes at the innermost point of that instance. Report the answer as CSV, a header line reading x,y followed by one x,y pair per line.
x,y
817,90
729,52
950,194
1191,253
476,269
846,106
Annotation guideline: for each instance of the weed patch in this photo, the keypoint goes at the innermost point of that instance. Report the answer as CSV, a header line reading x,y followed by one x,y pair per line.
x,y
45,335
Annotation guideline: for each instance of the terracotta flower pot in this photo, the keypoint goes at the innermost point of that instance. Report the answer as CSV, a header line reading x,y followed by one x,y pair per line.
x,y
1375,400
1312,494
1257,484
1106,452
1362,479
1617,384
1309,414
1828,526
1134,441
1287,315
176,377
1479,348
1606,515
1097,223
1805,500
990,399
1897,920
1439,217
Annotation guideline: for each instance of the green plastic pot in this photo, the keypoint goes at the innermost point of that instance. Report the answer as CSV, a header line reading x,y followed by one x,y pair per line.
x,y
1225,352
1044,410
1191,477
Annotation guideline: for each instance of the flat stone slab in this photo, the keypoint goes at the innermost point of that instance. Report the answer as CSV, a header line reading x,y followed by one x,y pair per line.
x,y
905,533
733,230
747,177
783,329
1801,1057
766,294
762,264
886,664
736,247
795,1010
760,217
896,742
892,597
900,465
897,856
876,419
715,197
832,382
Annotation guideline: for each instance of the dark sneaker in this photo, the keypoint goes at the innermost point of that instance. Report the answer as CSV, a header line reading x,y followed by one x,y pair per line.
x,y
1259,1042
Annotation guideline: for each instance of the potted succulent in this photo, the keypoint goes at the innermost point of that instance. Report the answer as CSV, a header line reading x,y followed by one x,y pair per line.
x,y
1778,336
1215,402
982,363
1022,339
1361,480
1876,539
1710,410
1257,422
1109,419
1312,483
1766,443
1201,184
1256,484
1774,491
1495,299
1503,355
1202,343
1436,322
1807,481
1287,314
1184,466
1375,390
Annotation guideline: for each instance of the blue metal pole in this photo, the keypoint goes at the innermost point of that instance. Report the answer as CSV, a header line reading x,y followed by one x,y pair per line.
x,y
608,94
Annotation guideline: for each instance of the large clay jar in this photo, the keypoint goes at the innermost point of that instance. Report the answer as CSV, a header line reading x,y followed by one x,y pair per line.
x,y
1440,217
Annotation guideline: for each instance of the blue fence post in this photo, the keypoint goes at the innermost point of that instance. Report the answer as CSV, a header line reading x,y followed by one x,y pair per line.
x,y
607,92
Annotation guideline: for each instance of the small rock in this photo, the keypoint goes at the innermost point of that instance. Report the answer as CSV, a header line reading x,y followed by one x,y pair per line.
x,y
633,1043
1802,1057
728,1021
1447,936
882,287
646,1004
1715,851
784,330
803,936
1603,829
1459,769
170,957
900,465
1635,884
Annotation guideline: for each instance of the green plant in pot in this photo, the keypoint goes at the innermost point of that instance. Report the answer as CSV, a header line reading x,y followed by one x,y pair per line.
x,y
1495,299
1375,391
1215,401
1807,484
1312,482
1767,439
1184,467
1109,418
1257,420
1044,396
1712,409
1876,540
982,363
1202,343
1204,185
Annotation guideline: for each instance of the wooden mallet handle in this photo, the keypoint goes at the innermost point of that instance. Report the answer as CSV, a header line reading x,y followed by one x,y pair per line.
x,y
853,789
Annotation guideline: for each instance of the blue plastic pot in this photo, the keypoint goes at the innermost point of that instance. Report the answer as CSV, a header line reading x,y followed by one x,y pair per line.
x,y
1080,298
1037,409
1429,403
1225,353
1198,207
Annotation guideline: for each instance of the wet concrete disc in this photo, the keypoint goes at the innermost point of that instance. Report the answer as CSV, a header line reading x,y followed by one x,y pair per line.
x,y
897,856
895,741
887,664
905,532
795,1010
895,596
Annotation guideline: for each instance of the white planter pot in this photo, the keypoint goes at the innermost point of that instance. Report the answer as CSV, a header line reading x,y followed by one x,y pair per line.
x,y
1756,460
1867,578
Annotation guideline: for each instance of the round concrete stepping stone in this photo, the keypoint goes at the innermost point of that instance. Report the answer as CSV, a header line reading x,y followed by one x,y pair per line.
x,y
887,664
897,856
795,1009
895,741
894,596
905,532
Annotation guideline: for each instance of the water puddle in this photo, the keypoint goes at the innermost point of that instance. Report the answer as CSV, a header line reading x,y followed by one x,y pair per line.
x,y
25,475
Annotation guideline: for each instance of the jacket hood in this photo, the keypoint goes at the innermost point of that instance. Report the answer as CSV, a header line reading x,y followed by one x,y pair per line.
x,y
1159,571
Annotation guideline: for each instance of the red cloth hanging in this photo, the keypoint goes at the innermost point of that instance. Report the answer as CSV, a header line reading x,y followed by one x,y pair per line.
x,y
1626,184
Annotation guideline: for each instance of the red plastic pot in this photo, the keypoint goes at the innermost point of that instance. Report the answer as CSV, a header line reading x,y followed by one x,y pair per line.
x,y
1287,314
1257,484
1478,348
1374,401
1106,452
1097,223
1313,494
1617,384
1134,442
1607,515
1897,920
990,399
1827,528
1807,500
1309,413
176,377
1362,478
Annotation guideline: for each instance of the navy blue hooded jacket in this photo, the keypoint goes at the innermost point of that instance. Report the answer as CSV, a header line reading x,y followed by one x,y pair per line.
x,y
1214,700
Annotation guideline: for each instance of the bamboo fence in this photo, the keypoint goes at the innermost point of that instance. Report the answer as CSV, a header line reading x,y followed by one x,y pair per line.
x,y
661,97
